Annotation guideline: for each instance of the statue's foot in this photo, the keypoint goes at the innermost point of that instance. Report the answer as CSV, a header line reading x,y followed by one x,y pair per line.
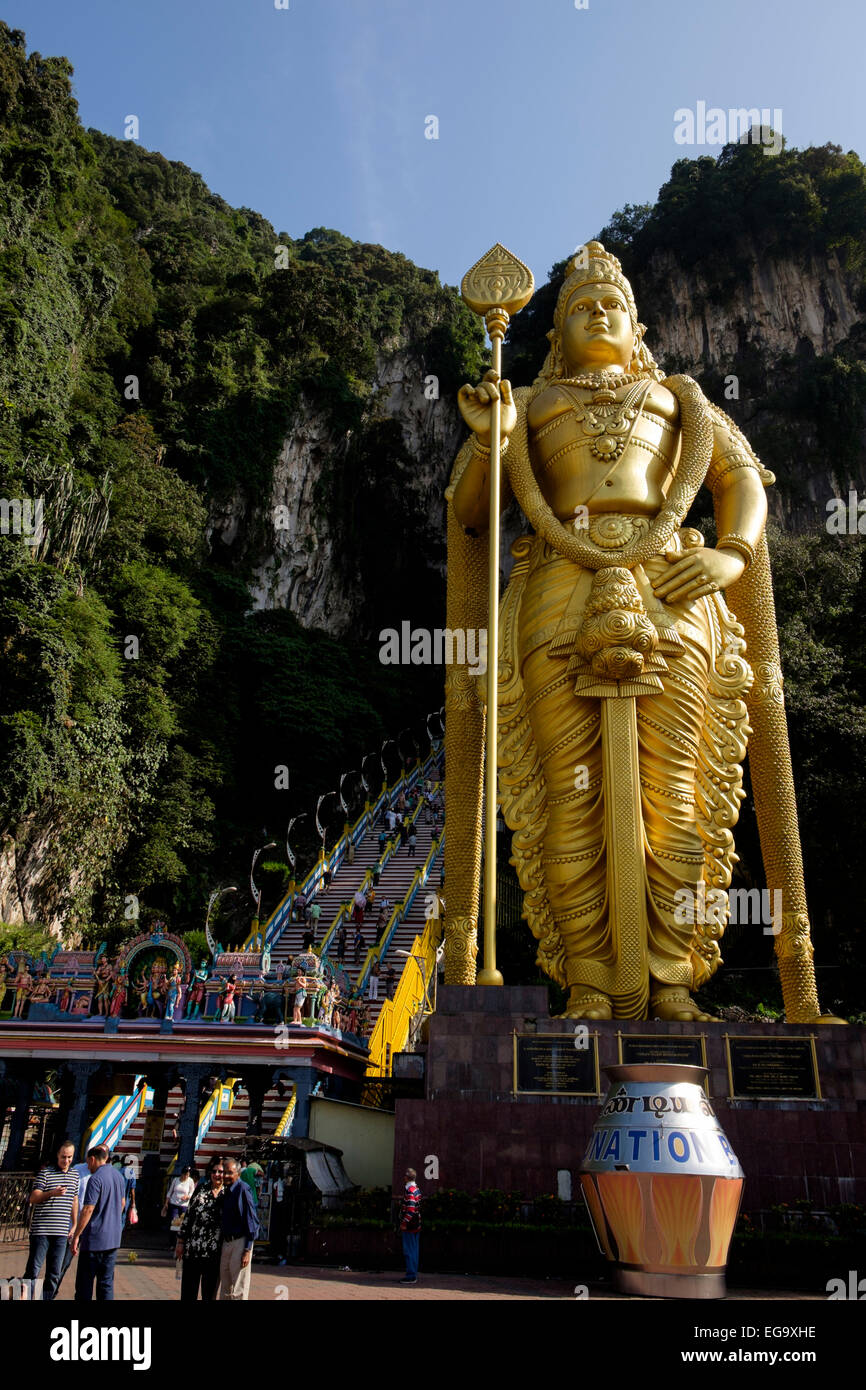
x,y
587,1003
674,1004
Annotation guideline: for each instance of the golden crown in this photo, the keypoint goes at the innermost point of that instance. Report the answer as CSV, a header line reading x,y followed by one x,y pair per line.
x,y
591,266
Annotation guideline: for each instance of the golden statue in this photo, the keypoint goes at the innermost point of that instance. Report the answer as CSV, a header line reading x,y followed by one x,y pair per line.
x,y
625,700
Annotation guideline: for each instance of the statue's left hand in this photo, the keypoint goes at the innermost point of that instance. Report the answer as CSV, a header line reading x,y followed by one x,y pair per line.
x,y
698,572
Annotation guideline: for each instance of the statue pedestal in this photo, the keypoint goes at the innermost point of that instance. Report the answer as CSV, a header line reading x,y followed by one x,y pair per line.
x,y
486,1133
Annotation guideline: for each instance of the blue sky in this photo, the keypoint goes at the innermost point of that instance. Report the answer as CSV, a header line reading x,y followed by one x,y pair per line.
x,y
550,117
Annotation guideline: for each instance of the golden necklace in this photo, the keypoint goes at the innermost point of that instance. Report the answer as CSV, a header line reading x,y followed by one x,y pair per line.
x,y
596,381
610,422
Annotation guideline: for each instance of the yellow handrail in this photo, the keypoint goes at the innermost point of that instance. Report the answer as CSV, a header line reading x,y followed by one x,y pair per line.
x,y
392,1026
87,1137
286,1117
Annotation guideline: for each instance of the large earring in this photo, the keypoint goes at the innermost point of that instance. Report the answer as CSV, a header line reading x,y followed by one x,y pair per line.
x,y
556,362
636,362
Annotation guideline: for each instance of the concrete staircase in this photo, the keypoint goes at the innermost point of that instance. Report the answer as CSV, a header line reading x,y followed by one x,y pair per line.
x,y
227,1133
393,885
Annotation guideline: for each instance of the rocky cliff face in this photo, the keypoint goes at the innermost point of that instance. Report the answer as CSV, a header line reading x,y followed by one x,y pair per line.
x,y
778,308
772,356
298,539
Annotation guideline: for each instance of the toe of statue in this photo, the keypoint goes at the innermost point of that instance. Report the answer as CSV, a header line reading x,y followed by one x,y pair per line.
x,y
583,1004
677,1006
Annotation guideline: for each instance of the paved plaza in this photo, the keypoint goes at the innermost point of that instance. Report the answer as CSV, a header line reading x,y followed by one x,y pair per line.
x,y
151,1277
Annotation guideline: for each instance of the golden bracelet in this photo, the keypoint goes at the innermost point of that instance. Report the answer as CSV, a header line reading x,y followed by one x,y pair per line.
x,y
741,545
484,449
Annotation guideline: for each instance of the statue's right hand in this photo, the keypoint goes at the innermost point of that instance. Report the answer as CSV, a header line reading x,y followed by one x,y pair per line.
x,y
474,403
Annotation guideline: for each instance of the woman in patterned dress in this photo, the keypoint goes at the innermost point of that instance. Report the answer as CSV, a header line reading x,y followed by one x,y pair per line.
x,y
200,1238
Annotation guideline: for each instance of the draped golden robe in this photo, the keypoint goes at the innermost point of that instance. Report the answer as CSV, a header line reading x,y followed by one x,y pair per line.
x,y
691,737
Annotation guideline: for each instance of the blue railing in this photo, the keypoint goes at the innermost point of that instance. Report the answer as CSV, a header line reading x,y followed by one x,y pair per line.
x,y
115,1118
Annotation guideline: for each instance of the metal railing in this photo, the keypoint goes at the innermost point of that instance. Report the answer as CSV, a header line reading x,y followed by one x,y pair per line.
x,y
115,1118
221,1099
401,911
14,1205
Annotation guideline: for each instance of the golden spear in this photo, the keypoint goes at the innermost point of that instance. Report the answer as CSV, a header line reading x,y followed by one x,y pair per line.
x,y
496,287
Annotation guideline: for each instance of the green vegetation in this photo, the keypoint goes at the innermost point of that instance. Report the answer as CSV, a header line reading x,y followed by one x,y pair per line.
x,y
152,359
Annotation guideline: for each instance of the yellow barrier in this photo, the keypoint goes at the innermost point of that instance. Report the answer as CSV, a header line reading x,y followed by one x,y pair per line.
x,y
287,1115
413,990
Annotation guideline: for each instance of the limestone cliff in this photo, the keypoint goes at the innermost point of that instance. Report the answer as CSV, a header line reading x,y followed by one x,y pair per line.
x,y
758,355
296,541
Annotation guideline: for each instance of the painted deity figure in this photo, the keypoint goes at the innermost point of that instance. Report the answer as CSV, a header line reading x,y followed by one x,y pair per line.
x,y
308,971
142,993
41,992
622,671
118,994
156,990
4,982
229,999
173,987
197,992
104,976
23,986
65,993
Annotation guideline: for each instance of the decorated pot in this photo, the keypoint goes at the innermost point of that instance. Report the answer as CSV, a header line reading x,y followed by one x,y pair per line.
x,y
661,1182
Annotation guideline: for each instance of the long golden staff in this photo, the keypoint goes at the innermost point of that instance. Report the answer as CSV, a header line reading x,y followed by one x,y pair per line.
x,y
496,287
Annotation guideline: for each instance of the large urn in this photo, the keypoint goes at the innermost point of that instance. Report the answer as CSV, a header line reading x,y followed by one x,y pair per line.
x,y
661,1182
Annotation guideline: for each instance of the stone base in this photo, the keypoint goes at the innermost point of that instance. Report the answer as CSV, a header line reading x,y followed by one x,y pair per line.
x,y
639,1283
485,1136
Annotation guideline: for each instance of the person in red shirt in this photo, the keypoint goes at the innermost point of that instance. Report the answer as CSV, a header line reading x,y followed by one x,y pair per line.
x,y
410,1226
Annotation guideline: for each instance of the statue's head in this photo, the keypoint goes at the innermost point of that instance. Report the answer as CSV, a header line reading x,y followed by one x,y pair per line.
x,y
595,324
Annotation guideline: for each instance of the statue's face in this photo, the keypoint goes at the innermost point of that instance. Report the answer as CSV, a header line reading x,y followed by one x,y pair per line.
x,y
596,329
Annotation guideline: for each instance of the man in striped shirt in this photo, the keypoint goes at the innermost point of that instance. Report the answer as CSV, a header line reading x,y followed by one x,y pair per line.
x,y
55,1213
410,1226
